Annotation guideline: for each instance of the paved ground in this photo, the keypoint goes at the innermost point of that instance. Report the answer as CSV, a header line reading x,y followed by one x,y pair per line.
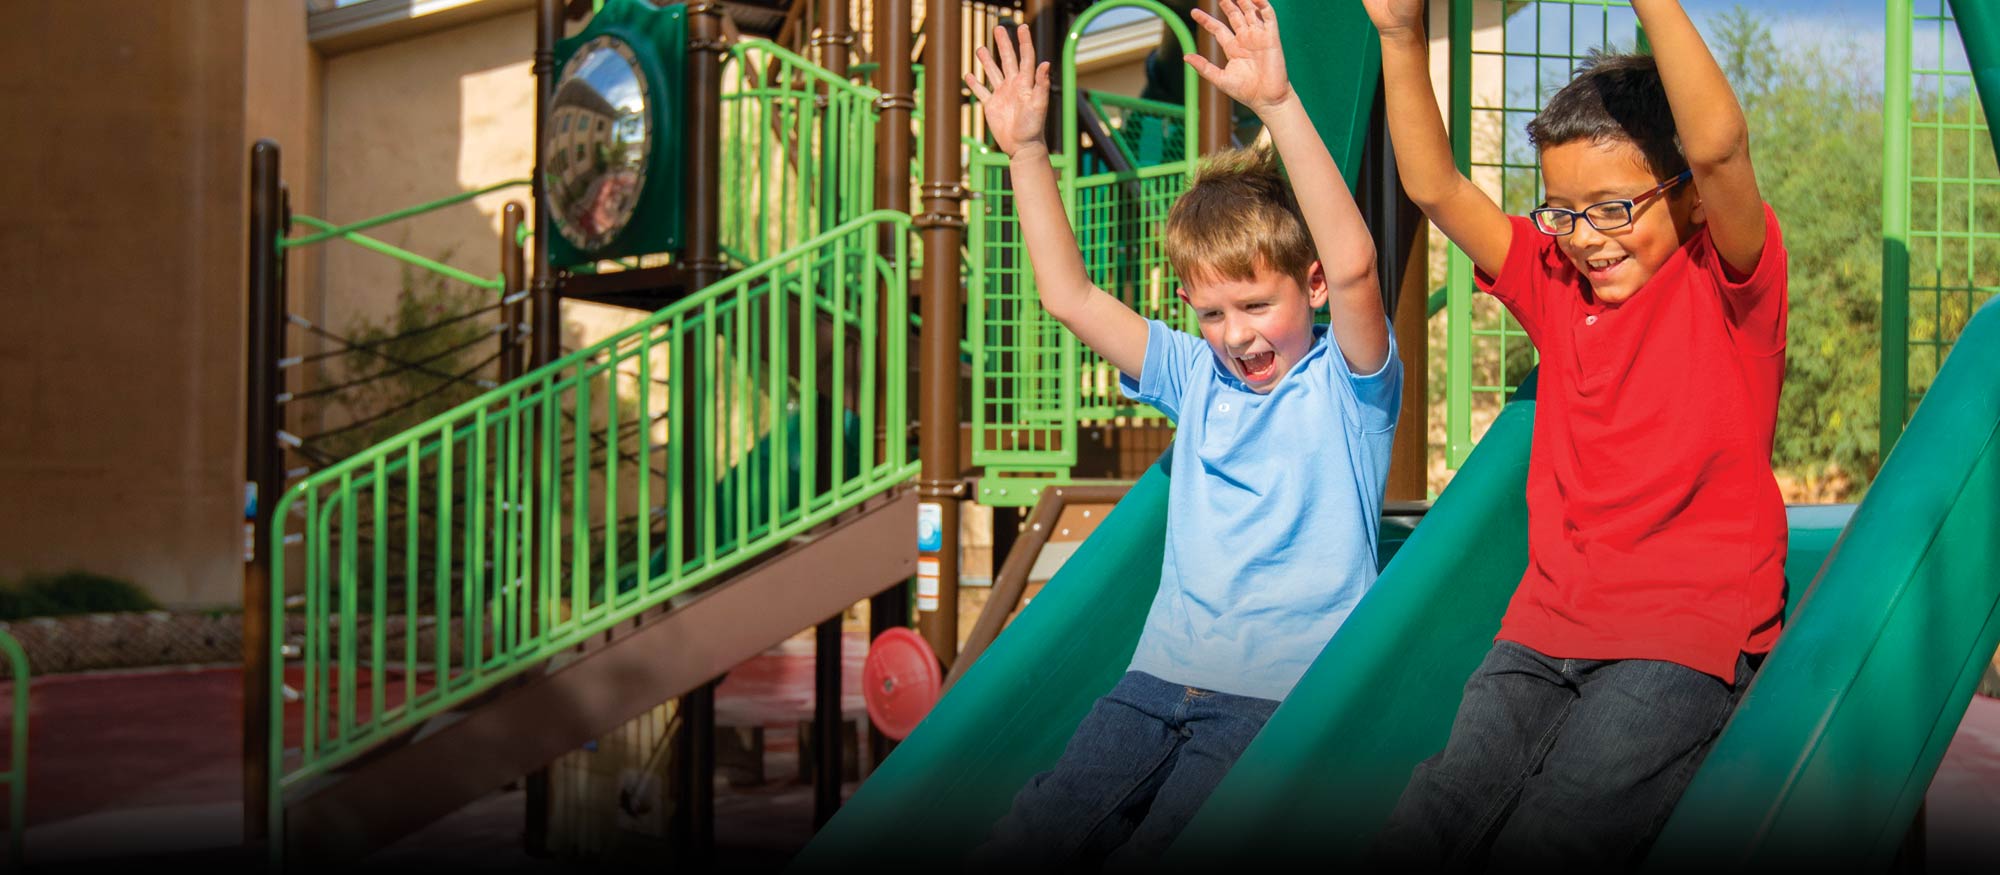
x,y
146,762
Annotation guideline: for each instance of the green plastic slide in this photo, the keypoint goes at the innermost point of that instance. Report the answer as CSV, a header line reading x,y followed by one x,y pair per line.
x,y
1836,741
1828,757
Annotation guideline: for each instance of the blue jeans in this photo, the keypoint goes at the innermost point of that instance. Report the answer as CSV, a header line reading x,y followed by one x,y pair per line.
x,y
1559,762
1136,771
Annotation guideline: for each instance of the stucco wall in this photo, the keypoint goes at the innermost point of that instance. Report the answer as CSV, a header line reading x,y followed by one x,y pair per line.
x,y
120,374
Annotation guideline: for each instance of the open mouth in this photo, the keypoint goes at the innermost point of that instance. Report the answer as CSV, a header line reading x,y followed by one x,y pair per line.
x,y
1259,367
1602,268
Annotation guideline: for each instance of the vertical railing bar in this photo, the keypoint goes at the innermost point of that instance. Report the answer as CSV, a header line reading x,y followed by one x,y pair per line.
x,y
441,600
705,481
579,492
475,567
742,428
808,390
378,643
349,606
837,398
412,505
677,415
314,563
645,551
613,449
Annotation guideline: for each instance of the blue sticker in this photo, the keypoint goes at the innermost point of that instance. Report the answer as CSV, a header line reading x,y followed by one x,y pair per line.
x,y
930,527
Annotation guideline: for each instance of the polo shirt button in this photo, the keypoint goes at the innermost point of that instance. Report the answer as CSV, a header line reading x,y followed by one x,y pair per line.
x,y
1224,407
1590,320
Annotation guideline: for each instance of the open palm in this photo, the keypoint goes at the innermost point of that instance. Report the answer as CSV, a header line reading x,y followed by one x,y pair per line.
x,y
1253,70
1015,96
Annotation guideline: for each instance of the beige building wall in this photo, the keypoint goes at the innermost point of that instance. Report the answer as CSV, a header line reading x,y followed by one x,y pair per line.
x,y
415,120
123,240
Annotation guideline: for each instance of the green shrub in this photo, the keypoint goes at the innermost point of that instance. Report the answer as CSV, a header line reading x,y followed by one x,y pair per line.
x,y
71,592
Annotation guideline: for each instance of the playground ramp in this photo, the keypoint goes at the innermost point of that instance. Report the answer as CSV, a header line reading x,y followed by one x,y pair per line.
x,y
1826,760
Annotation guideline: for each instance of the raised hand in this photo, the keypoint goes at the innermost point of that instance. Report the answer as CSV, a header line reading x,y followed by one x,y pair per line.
x,y
1395,17
1253,70
1016,94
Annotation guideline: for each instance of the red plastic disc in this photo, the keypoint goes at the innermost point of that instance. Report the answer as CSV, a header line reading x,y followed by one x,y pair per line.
x,y
900,681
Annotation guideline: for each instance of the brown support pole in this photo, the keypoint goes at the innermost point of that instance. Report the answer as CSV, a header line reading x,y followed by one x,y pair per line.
x,y
545,333
702,254
1402,263
1215,107
263,479
828,749
896,79
1409,456
1049,21
546,336
942,226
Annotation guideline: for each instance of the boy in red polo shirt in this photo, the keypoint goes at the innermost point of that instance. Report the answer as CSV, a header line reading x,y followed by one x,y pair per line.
x,y
1652,281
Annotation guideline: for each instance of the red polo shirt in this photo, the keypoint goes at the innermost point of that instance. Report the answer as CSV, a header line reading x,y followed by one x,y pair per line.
x,y
1655,527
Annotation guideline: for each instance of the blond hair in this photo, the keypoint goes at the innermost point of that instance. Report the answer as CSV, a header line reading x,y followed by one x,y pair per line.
x,y
1240,213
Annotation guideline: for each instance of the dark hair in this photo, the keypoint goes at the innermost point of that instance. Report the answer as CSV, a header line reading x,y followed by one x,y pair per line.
x,y
1614,97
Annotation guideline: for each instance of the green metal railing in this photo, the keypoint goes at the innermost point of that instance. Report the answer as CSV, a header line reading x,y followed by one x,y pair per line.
x,y
433,566
1032,383
16,776
350,233
1940,204
798,150
1507,56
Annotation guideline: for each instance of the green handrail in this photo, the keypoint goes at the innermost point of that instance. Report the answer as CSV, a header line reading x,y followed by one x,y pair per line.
x,y
406,256
16,776
498,534
798,149
329,231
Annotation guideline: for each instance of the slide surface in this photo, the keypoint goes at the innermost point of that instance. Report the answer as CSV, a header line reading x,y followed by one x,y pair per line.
x,y
1894,614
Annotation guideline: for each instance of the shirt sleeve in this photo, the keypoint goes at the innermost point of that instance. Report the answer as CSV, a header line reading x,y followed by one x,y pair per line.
x,y
1171,357
1376,398
1757,305
1516,286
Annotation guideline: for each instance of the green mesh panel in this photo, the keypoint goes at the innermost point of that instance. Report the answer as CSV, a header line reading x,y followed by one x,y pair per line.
x,y
1506,58
1954,197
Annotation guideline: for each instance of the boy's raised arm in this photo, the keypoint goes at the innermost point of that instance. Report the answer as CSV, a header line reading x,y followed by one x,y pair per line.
x,y
1423,150
1015,100
1714,136
1253,74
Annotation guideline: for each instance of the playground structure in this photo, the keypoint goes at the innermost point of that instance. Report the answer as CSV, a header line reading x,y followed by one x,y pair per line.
x,y
611,528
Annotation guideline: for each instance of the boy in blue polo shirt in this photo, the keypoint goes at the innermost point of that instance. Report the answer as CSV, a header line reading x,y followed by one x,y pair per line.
x,y
1279,461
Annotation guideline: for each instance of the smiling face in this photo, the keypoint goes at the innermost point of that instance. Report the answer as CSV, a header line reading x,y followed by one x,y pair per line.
x,y
1617,262
1259,327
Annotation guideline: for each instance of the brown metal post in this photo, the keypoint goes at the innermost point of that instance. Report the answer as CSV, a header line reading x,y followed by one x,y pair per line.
x,y
702,254
896,79
513,273
1401,244
1216,120
1409,457
546,336
942,230
1049,20
545,333
263,479
835,39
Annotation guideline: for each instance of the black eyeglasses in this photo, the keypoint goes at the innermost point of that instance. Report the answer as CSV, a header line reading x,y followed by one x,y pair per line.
x,y
1605,216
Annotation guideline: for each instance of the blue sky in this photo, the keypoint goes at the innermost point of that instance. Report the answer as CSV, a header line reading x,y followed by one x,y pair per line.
x,y
1814,19
1792,21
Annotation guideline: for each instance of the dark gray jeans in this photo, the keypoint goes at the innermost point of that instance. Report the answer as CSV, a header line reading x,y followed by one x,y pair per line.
x,y
1136,771
1559,762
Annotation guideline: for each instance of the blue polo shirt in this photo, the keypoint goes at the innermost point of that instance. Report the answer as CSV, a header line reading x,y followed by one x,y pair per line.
x,y
1272,513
